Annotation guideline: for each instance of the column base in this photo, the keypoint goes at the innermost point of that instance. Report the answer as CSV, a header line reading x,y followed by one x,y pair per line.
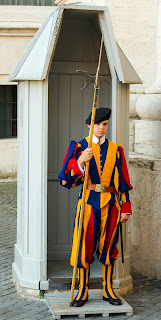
x,y
123,286
28,271
26,292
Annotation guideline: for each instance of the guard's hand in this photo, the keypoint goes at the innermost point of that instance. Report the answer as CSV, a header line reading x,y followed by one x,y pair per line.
x,y
124,217
86,155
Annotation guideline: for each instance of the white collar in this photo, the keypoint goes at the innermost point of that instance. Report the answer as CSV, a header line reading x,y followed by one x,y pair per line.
x,y
96,140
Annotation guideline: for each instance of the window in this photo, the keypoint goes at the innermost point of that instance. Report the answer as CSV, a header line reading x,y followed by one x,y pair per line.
x,y
8,111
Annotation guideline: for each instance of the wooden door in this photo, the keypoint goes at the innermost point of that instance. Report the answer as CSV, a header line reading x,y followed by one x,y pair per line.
x,y
68,109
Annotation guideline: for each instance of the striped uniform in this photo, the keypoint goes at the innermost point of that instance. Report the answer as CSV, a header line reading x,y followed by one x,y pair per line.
x,y
100,227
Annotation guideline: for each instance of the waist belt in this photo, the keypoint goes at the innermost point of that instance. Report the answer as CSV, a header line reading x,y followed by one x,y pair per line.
x,y
101,188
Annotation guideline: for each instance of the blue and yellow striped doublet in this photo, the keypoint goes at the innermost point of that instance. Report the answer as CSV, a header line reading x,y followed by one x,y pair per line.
x,y
100,229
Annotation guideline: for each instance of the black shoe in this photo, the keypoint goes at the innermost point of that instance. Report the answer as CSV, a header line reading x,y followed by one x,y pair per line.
x,y
79,303
115,302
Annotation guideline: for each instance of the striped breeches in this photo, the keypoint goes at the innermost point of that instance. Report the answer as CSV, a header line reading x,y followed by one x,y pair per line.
x,y
100,231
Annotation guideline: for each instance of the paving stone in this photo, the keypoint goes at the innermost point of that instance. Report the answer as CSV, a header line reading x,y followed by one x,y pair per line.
x,y
22,313
17,305
47,317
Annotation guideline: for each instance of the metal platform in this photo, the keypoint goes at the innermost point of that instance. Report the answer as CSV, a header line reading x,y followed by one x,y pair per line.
x,y
58,304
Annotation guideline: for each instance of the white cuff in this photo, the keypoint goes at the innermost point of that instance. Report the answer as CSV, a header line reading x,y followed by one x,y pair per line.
x,y
81,169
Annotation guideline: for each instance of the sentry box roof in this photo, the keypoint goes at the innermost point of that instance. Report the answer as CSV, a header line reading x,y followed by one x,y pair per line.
x,y
36,61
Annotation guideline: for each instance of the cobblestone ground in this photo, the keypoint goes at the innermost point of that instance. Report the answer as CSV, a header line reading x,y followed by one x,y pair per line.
x,y
12,305
146,298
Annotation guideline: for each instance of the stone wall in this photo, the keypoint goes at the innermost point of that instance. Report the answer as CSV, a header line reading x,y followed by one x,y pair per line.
x,y
145,223
18,25
8,158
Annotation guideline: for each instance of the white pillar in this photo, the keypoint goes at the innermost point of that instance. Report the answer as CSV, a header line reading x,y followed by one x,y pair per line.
x,y
122,279
30,264
148,109
145,169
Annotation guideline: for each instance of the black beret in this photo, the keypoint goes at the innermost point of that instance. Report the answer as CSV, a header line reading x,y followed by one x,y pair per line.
x,y
101,115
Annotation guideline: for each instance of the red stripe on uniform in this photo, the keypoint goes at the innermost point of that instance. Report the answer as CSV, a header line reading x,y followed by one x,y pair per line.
x,y
66,155
71,160
125,173
76,169
114,253
89,240
112,221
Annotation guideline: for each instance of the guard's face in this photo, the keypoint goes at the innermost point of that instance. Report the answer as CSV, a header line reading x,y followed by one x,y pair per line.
x,y
100,128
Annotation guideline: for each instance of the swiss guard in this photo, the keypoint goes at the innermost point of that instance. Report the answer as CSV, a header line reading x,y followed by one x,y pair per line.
x,y
107,203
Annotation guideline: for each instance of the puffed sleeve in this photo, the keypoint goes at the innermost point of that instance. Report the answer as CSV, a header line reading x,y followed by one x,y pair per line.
x,y
70,175
122,181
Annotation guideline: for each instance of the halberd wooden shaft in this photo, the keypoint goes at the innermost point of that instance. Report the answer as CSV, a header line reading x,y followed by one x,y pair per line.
x,y
96,89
